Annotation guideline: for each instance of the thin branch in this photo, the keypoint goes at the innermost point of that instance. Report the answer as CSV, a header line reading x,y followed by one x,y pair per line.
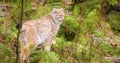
x,y
45,1
17,42
66,26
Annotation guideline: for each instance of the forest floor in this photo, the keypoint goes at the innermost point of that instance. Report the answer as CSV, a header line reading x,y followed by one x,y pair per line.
x,y
80,39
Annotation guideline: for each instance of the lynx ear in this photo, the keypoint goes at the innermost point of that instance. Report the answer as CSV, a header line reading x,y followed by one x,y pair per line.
x,y
62,9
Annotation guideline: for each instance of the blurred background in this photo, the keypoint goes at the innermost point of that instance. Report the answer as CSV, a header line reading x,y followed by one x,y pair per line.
x,y
90,32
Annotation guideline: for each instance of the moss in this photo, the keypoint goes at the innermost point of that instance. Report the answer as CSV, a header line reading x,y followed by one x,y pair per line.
x,y
6,54
117,51
43,57
71,22
72,25
114,20
106,48
41,11
70,47
76,10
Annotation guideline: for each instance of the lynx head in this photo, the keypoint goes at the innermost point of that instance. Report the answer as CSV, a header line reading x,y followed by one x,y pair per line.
x,y
57,15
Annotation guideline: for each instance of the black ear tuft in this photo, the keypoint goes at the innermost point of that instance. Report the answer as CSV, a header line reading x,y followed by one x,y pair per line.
x,y
18,26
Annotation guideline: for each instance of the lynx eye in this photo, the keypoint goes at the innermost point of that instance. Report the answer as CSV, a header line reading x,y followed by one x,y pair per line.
x,y
61,15
57,15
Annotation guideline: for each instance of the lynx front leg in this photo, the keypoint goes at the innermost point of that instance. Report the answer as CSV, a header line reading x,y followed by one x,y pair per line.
x,y
47,44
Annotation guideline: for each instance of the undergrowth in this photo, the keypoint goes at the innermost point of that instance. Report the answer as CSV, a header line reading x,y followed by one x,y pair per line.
x,y
80,39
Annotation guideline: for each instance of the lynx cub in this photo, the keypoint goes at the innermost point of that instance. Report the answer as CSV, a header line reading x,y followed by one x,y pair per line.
x,y
39,31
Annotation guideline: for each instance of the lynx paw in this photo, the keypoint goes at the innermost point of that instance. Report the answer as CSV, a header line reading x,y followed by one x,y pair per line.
x,y
47,48
53,42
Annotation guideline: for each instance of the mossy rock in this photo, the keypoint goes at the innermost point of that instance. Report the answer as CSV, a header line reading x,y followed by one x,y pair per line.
x,y
114,20
71,22
71,25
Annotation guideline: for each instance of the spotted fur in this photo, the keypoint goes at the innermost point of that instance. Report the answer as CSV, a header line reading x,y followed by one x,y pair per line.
x,y
39,31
